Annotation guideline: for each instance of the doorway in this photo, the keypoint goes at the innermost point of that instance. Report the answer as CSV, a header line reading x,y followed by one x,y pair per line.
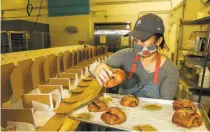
x,y
112,35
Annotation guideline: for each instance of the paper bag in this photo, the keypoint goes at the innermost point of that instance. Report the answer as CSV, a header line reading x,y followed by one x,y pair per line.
x,y
21,126
56,95
42,113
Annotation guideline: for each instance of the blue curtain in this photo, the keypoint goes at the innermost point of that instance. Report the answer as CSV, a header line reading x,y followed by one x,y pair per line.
x,y
68,7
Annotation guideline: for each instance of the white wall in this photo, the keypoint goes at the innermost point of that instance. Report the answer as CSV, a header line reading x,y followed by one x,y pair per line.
x,y
176,2
61,38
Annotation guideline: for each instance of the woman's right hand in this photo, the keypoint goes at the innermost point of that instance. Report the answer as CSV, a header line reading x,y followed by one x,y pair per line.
x,y
102,72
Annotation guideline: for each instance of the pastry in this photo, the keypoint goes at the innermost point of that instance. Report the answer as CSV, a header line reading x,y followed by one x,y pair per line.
x,y
97,106
187,118
117,78
184,104
114,116
129,101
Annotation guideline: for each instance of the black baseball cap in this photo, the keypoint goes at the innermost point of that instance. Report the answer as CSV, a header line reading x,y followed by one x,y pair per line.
x,y
146,26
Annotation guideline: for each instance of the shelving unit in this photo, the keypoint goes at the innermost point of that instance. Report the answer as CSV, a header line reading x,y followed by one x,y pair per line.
x,y
206,57
16,41
205,20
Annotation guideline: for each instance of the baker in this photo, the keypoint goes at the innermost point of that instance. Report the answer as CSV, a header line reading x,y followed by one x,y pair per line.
x,y
149,73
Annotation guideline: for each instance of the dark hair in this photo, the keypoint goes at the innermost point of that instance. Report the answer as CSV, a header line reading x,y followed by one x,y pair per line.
x,y
163,44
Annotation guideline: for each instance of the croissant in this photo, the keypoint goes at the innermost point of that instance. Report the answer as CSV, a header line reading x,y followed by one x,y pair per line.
x,y
97,106
184,104
187,118
113,116
129,101
117,78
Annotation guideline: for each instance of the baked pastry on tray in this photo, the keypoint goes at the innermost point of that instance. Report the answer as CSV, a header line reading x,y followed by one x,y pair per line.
x,y
129,101
184,104
114,116
187,118
117,78
97,106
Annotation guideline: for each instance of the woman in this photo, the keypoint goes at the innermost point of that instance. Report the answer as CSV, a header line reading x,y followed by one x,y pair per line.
x,y
149,74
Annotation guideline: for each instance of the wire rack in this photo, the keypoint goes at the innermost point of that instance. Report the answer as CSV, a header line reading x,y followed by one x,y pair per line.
x,y
4,43
14,41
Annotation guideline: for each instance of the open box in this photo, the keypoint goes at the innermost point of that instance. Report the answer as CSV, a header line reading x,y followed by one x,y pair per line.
x,y
23,119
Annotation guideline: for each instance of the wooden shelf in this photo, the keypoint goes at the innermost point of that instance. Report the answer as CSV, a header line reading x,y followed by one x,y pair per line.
x,y
205,20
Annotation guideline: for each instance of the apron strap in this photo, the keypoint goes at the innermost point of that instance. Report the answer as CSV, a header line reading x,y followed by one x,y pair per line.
x,y
157,69
133,67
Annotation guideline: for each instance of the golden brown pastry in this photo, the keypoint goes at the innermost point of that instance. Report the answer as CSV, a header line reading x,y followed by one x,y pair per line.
x,y
184,104
187,118
129,101
117,78
114,116
97,106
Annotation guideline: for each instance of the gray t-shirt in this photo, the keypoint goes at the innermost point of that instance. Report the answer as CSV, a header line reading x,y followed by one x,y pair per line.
x,y
168,75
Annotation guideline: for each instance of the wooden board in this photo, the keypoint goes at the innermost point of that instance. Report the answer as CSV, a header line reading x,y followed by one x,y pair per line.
x,y
60,66
37,71
90,53
83,54
74,58
6,88
86,53
78,56
67,59
50,67
94,51
21,78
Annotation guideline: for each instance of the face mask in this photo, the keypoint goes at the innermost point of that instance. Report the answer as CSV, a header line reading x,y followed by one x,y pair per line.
x,y
145,51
